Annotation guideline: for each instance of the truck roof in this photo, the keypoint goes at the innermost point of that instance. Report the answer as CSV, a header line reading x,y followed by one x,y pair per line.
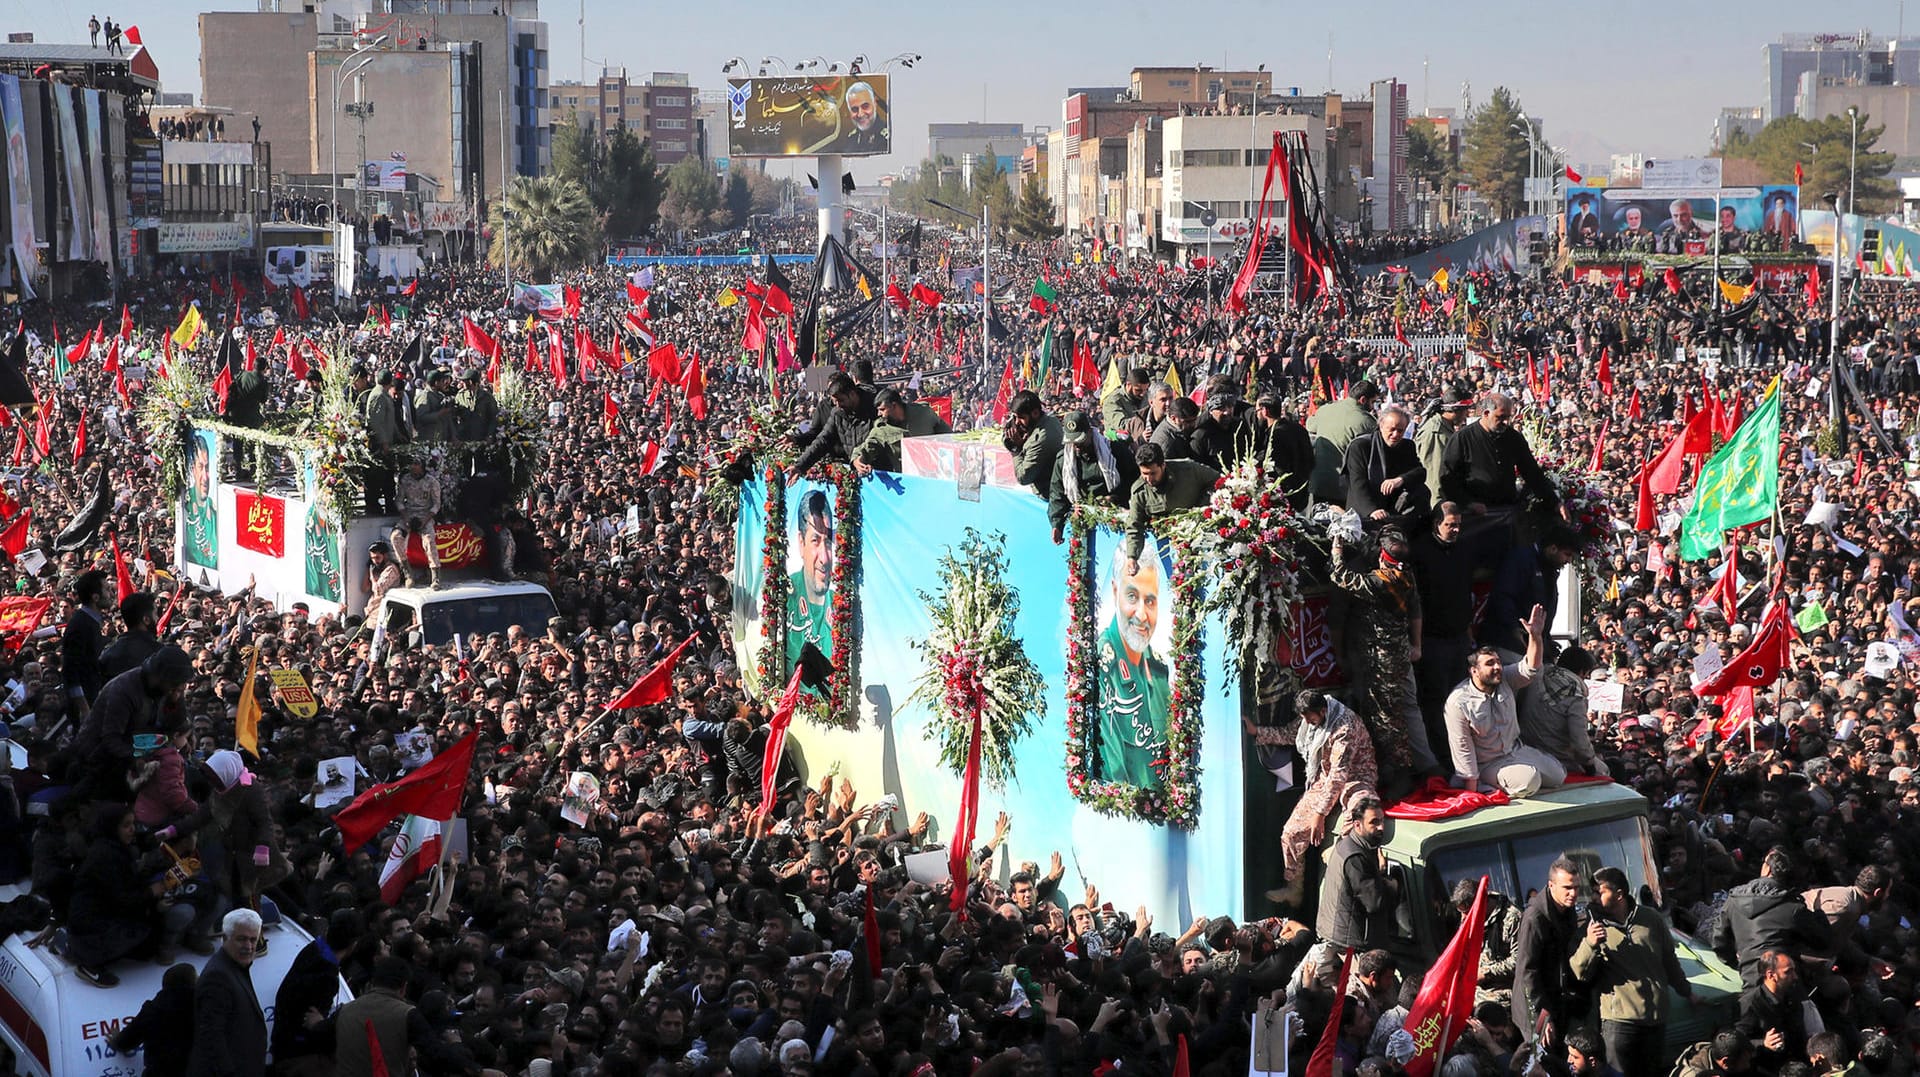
x,y
463,589
1567,806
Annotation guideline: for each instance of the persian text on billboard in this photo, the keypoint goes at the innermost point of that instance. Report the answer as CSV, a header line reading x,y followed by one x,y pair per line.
x,y
796,116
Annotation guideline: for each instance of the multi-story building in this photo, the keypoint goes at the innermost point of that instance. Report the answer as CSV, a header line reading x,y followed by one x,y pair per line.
x,y
1801,66
1196,84
1744,121
1211,170
663,109
1388,193
447,81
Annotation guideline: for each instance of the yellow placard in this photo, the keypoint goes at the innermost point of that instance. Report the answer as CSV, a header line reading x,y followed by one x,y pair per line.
x,y
295,695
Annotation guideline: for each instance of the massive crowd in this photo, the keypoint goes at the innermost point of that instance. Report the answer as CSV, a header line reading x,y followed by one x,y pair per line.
x,y
673,934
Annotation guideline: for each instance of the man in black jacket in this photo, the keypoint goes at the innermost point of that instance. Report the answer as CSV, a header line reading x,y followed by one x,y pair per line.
x,y
1358,899
1483,458
1285,450
845,427
311,984
81,641
164,1026
1768,914
1771,1015
137,642
1385,480
1547,1000
229,1029
131,703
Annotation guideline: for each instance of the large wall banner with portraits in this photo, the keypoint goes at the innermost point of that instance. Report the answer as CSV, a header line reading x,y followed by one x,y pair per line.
x,y
1682,220
1172,835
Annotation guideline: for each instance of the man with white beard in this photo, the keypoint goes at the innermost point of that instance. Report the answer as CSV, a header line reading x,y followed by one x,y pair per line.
x,y
1134,691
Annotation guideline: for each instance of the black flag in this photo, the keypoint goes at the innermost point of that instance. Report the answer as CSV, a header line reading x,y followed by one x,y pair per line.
x,y
15,390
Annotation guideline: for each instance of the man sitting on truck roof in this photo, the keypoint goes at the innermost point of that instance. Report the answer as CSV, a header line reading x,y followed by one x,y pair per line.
x,y
1483,723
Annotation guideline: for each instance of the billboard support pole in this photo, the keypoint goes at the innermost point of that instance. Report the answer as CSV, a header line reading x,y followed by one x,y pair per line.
x,y
832,221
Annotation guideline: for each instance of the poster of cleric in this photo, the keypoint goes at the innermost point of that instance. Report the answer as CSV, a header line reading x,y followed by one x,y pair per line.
x,y
1683,220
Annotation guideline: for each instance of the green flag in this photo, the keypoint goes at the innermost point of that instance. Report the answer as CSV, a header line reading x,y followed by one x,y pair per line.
x,y
1044,297
1740,483
1046,354
1810,617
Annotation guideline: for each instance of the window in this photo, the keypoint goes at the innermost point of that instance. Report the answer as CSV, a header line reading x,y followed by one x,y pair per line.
x,y
1214,158
1260,157
669,101
669,125
673,145
1179,84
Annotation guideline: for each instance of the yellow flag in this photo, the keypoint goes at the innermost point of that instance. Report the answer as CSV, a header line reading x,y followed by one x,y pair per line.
x,y
246,723
1440,278
866,290
1026,369
1112,384
726,298
1173,379
188,330
1734,293
529,323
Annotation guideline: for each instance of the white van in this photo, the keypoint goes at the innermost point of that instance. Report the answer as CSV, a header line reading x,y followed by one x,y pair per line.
x,y
58,1025
299,267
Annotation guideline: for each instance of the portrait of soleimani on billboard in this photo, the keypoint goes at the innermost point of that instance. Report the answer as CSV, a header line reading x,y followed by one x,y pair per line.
x,y
795,116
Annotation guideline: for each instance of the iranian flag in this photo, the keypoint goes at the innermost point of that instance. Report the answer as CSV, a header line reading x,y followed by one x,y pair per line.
x,y
1044,296
415,849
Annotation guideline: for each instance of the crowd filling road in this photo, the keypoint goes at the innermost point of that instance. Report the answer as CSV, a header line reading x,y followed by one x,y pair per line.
x,y
671,933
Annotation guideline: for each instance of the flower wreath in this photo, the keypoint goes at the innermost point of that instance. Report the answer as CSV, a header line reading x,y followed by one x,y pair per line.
x,y
1177,801
837,707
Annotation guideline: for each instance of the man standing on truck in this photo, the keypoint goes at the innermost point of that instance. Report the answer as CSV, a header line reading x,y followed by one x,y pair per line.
x,y
381,410
419,498
476,415
433,409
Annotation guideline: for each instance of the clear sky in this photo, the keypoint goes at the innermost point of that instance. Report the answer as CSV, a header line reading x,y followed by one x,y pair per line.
x,y
1617,76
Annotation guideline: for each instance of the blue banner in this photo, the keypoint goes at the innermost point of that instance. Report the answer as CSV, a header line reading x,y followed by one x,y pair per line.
x,y
701,259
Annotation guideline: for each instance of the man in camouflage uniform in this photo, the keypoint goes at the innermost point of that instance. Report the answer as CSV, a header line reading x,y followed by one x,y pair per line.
x,y
1134,691
1165,487
419,498
476,414
1380,649
898,420
433,409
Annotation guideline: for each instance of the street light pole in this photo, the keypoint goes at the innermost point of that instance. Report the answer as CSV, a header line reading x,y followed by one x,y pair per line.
x,y
1853,154
1836,409
333,138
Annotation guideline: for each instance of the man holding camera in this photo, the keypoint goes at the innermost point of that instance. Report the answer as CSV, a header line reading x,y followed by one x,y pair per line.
x,y
1626,956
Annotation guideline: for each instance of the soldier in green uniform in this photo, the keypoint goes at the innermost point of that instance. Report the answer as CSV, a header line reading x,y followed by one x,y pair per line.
x,y
1125,402
809,591
898,419
1165,487
1430,440
1134,691
1033,437
200,520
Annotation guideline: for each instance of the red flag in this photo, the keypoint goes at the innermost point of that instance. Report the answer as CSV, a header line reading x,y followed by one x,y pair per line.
x,y
1181,1066
300,308
871,929
695,383
268,287
1813,289
1725,592
14,538
570,300
924,295
1799,174
960,849
1321,1064
121,577
432,792
557,361
1620,288
120,386
753,333
493,366
777,743
533,354
80,437
222,382
126,324
42,439
1600,448
19,446
610,414
79,351
111,364
1737,711
1663,475
663,364
386,320
1643,515
1005,396
296,363
412,287
253,360
654,685
1439,1013
1633,404
1572,176
132,34
1606,372
1698,435
476,337
1764,659
895,296
376,1057
943,406
637,296
1674,287
1400,333
649,457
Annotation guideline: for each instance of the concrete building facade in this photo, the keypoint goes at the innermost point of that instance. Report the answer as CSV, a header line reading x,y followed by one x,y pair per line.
x,y
1208,164
663,109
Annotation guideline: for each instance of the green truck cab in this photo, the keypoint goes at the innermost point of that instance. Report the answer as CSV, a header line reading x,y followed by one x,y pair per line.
x,y
1597,825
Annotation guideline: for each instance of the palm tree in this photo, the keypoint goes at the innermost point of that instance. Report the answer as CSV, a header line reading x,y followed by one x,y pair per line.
x,y
550,224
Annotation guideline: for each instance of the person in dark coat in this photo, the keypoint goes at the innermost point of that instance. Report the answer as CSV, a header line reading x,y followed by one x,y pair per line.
x,y
1358,898
139,641
1768,914
130,703
1285,451
1225,431
112,914
1385,480
239,813
311,984
845,428
229,1028
81,641
1543,981
164,1026
1771,1014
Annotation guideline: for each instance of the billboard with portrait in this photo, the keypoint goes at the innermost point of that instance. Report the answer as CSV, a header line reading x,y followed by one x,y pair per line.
x,y
1682,220
199,513
1133,610
797,116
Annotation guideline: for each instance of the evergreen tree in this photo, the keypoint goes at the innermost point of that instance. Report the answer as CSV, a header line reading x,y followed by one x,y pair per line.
x,y
1033,214
1496,154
